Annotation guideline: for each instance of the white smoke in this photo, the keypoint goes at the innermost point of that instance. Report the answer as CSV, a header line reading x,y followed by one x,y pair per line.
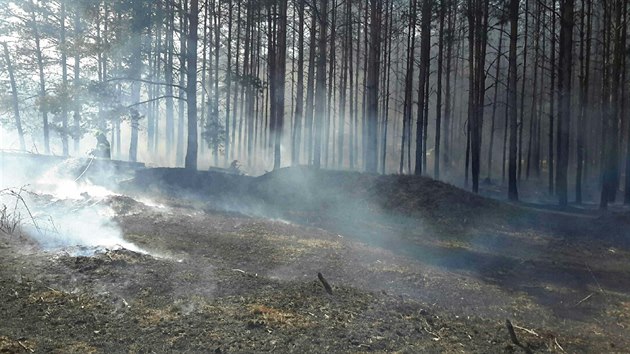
x,y
61,209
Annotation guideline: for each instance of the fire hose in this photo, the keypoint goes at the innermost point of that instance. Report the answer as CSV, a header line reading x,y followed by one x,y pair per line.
x,y
86,169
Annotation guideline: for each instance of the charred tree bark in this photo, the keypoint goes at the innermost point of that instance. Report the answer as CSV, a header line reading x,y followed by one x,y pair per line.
x,y
321,89
495,104
191,85
296,137
611,114
371,163
438,105
425,57
310,88
564,98
585,58
512,169
408,103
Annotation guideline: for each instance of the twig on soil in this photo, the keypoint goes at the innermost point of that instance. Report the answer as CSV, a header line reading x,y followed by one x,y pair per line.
x,y
584,299
325,283
54,290
238,270
436,337
25,347
526,330
429,329
596,282
558,344
510,329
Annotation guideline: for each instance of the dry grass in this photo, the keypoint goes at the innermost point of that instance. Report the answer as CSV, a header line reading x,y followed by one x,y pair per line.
x,y
271,316
390,268
49,296
78,348
8,345
153,317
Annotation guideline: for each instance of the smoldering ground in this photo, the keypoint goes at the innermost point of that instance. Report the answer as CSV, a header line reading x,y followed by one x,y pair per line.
x,y
61,203
396,250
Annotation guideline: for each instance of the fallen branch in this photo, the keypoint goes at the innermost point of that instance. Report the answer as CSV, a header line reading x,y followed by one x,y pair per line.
x,y
325,283
54,290
25,347
527,330
584,299
555,339
594,278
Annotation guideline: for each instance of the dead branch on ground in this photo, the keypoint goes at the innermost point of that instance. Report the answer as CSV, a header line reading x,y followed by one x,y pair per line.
x,y
513,337
325,283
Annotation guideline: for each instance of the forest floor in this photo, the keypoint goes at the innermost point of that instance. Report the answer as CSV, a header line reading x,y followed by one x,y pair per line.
x,y
232,265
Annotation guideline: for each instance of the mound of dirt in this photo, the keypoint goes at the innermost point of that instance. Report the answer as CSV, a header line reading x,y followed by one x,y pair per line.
x,y
178,180
304,190
407,195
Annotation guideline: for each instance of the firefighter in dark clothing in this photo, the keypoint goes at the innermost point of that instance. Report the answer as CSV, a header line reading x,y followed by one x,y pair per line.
x,y
103,148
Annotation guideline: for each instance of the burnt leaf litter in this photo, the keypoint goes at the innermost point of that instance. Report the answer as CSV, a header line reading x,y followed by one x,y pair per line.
x,y
308,261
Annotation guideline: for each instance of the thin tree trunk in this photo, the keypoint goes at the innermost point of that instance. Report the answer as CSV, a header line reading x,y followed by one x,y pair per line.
x,y
42,78
372,86
408,103
533,109
182,83
320,104
310,88
552,101
299,95
512,101
450,37
611,114
191,85
425,57
14,97
168,76
521,123
564,101
77,82
438,105
585,54
64,78
495,104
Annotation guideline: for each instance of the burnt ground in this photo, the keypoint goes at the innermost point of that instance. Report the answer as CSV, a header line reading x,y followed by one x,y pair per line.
x,y
415,266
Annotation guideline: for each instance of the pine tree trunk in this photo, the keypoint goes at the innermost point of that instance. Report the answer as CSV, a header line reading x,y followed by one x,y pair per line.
x,y
372,86
425,57
168,76
310,88
191,85
585,53
42,78
64,79
495,103
296,138
512,101
14,97
320,99
564,99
